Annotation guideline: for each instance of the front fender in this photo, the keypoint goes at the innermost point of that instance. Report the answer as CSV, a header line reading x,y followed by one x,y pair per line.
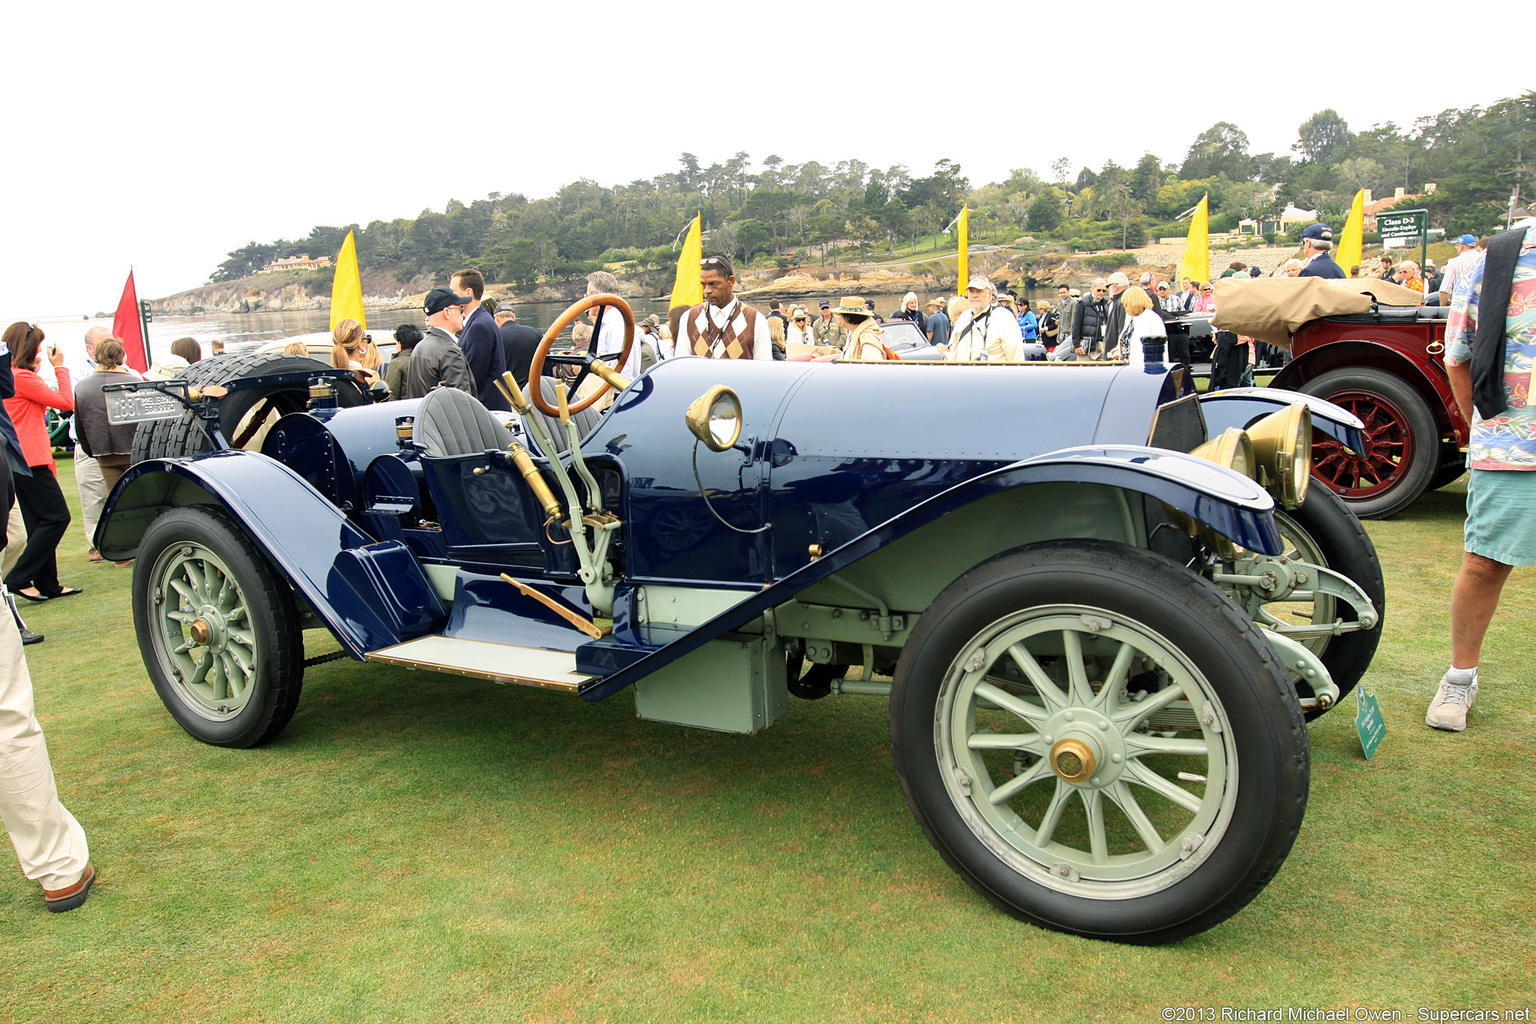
x,y
1238,407
369,594
1226,501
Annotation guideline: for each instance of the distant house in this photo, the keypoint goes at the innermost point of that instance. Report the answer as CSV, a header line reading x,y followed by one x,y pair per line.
x,y
1373,207
1289,217
301,262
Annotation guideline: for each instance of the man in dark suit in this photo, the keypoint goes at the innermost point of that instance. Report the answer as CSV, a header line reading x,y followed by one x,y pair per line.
x,y
518,343
1316,240
481,341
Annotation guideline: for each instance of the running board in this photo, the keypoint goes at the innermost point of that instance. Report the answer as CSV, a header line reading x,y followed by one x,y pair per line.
x,y
480,659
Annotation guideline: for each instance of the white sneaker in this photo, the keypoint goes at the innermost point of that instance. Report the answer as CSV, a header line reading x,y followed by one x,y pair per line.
x,y
1449,708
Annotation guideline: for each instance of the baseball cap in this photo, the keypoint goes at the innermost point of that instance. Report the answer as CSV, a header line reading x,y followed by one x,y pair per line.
x,y
1320,232
439,299
1466,240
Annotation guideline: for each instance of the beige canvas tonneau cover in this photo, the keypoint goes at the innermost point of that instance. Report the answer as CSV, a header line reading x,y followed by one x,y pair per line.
x,y
1272,308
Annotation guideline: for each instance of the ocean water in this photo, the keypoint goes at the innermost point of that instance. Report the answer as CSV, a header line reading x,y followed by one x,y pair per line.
x,y
241,331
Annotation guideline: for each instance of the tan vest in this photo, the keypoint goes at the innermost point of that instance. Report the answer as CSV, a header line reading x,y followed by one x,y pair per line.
x,y
730,345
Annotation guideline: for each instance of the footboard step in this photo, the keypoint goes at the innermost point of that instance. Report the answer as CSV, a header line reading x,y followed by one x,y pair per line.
x,y
500,663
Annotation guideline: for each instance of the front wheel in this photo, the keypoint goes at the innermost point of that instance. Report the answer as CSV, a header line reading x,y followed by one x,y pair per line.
x,y
1322,531
1099,741
217,628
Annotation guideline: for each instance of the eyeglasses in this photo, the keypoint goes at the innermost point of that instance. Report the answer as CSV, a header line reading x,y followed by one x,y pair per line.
x,y
718,262
1098,291
1205,289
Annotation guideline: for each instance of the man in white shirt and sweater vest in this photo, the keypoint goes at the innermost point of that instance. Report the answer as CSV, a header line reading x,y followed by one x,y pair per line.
x,y
722,326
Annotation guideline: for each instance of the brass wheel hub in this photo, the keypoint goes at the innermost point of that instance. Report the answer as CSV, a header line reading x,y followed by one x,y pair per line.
x,y
200,632
1073,760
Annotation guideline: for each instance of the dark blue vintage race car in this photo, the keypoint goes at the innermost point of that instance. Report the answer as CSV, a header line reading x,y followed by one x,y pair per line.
x,y
1101,607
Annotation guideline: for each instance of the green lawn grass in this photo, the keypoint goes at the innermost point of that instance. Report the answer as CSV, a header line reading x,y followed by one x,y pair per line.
x,y
423,847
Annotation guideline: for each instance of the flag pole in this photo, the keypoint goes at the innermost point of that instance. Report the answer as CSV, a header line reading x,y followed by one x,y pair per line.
x,y
144,316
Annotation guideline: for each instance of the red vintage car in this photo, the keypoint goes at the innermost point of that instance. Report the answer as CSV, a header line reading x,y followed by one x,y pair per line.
x,y
1386,367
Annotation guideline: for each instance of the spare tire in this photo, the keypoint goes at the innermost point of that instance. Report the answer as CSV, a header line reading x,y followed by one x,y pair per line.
x,y
184,435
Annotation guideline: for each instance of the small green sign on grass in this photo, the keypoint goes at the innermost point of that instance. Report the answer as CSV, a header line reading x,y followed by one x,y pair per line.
x,y
1368,722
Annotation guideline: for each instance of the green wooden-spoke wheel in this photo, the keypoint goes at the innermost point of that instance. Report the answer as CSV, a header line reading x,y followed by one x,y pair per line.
x,y
1099,741
204,629
217,629
1053,684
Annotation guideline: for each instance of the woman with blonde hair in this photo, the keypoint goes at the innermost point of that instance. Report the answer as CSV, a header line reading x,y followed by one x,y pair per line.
x,y
349,335
343,358
1206,303
1141,324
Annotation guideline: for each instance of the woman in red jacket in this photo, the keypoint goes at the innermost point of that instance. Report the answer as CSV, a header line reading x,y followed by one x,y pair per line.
x,y
35,576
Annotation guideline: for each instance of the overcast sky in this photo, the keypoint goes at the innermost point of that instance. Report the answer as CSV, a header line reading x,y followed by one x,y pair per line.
x,y
163,135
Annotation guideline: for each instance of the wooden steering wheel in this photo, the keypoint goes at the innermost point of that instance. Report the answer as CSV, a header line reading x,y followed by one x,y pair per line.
x,y
588,361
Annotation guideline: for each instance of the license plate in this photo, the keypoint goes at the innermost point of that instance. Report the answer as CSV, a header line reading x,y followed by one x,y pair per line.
x,y
142,406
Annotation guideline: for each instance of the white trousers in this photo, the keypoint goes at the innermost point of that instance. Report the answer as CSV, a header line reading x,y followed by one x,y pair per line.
x,y
93,492
49,841
15,540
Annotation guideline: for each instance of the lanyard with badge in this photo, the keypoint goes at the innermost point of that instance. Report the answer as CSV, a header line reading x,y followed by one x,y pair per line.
x,y
711,334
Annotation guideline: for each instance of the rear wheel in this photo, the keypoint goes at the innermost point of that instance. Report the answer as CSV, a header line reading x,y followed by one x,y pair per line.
x,y
218,629
1099,741
1402,445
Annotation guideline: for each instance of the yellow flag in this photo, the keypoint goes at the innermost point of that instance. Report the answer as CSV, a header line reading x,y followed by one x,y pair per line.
x,y
1349,240
347,287
963,229
686,291
1195,264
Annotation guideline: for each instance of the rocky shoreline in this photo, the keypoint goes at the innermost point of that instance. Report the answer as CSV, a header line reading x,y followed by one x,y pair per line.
x,y
298,290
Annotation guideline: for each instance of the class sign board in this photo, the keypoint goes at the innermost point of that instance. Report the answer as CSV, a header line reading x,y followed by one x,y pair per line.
x,y
1368,722
1410,224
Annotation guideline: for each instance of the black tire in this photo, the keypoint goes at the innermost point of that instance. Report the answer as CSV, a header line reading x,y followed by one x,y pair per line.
x,y
1453,466
1323,531
968,718
164,439
1402,441
256,671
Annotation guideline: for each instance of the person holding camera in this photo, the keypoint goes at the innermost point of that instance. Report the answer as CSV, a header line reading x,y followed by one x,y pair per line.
x,y
35,576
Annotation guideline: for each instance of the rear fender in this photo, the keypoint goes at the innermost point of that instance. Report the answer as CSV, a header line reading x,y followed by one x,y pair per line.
x,y
1239,407
1227,502
370,595
1427,378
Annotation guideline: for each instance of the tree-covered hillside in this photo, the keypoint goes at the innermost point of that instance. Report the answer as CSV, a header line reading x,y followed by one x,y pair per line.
x,y
1479,159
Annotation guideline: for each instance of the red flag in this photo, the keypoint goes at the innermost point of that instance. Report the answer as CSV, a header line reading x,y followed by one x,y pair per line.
x,y
127,328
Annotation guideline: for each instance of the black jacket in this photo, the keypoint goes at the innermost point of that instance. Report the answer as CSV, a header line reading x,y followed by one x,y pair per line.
x,y
1088,323
518,344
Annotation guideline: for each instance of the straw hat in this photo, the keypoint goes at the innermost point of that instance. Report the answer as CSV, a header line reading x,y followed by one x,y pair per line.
x,y
853,305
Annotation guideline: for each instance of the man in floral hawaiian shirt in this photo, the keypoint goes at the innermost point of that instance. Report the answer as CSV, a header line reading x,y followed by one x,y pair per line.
x,y
1501,497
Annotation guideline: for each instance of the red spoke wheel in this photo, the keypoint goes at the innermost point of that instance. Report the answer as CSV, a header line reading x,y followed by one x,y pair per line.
x,y
1402,444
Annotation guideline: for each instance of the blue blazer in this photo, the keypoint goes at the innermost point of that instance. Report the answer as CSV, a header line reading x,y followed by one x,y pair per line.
x,y
481,341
